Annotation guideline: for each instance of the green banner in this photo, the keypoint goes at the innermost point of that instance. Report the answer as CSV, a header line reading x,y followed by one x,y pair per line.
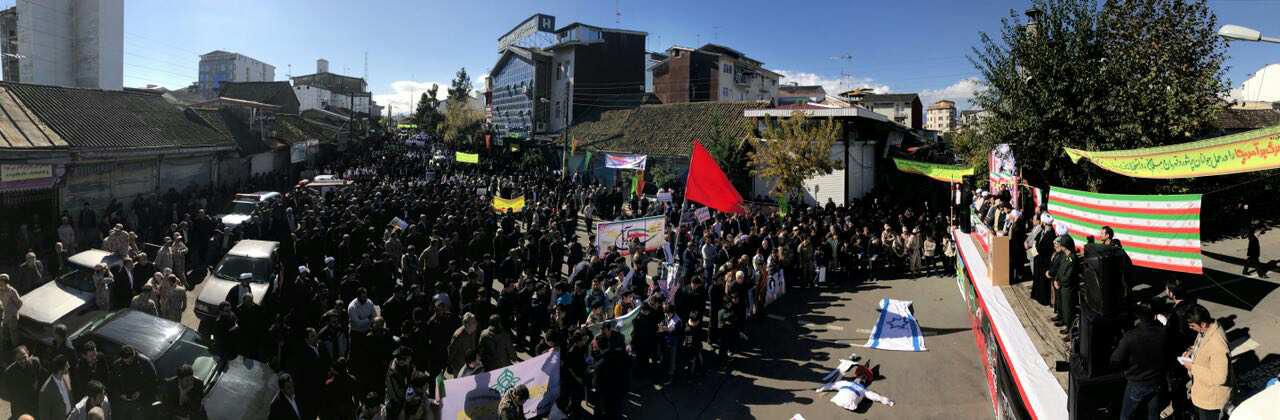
x,y
938,171
467,157
1249,151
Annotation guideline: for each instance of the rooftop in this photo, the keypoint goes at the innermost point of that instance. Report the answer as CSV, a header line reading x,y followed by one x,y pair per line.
x,y
95,118
275,93
943,104
663,130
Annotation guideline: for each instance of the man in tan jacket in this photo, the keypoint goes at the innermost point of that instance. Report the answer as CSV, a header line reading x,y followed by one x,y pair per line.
x,y
1207,363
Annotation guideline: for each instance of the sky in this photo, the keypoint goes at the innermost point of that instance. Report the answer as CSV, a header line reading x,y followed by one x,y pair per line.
x,y
895,46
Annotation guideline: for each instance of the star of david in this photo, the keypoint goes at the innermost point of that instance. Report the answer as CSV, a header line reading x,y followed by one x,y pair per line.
x,y
898,322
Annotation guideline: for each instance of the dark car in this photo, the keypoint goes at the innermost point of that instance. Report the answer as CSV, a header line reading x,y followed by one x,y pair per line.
x,y
235,389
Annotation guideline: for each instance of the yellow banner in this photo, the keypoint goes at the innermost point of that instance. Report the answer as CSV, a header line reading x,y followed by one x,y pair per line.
x,y
467,157
1249,151
938,171
501,205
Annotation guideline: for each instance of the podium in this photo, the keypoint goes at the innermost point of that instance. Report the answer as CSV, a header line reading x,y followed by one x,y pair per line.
x,y
998,262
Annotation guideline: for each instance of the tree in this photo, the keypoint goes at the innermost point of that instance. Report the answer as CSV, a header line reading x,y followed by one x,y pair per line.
x,y
428,116
793,150
1128,74
729,153
460,121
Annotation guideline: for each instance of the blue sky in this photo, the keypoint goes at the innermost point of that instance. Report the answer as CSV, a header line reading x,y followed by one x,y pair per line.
x,y
900,46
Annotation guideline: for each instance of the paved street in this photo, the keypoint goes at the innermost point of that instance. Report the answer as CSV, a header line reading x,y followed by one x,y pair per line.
x,y
803,337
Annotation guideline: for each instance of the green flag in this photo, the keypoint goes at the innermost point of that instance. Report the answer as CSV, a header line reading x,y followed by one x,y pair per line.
x,y
467,157
783,207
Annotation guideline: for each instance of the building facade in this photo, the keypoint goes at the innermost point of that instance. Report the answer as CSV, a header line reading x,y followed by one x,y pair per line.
x,y
347,94
941,116
519,80
901,108
220,66
712,73
72,43
651,60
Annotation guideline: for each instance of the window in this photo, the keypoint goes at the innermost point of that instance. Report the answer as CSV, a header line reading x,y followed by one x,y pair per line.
x,y
724,93
727,68
559,71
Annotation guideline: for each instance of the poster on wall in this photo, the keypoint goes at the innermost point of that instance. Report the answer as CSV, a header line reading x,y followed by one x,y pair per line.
x,y
650,231
297,152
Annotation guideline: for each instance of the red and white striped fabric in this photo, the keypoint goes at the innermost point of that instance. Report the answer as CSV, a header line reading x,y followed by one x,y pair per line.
x,y
1157,231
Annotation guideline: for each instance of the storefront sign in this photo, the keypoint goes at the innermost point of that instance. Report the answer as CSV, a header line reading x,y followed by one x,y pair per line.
x,y
18,172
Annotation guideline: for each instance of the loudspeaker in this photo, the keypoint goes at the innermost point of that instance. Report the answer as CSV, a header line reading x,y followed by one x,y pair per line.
x,y
1093,396
1099,337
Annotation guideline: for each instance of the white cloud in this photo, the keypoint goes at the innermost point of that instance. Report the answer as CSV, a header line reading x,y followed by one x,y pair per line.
x,y
961,92
398,96
831,85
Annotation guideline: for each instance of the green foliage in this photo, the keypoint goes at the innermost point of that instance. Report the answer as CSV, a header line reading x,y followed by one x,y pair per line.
x,y
1128,74
427,116
729,153
661,175
793,150
460,122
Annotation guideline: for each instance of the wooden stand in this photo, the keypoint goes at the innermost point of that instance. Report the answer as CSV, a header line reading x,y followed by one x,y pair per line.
x,y
998,263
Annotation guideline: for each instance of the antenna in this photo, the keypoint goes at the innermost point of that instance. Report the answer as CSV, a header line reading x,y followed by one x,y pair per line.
x,y
289,74
617,11
844,75
715,33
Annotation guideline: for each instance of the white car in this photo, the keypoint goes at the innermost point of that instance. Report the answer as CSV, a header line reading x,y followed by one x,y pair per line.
x,y
243,206
252,258
64,298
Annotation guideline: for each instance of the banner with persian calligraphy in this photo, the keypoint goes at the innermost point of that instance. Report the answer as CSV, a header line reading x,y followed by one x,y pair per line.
x,y
476,397
1249,151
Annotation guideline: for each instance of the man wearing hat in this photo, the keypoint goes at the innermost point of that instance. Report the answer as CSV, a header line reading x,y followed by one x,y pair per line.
x,y
1062,270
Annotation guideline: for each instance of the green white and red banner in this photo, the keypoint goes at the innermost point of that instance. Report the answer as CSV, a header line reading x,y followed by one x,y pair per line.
x,y
1157,231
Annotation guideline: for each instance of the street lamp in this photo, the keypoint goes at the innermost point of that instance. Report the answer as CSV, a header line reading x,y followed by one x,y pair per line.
x,y
1241,33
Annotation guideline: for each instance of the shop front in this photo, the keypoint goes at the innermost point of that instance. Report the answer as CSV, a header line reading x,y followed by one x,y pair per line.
x,y
29,210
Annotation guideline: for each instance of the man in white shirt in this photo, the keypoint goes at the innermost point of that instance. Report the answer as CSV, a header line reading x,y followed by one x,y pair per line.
x,y
361,312
95,398
55,394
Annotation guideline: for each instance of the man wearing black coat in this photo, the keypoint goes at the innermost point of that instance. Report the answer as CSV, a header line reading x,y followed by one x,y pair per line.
x,y
127,284
285,405
308,365
132,381
22,380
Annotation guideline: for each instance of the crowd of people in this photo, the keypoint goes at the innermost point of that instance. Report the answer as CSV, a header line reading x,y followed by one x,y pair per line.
x,y
1169,349
408,276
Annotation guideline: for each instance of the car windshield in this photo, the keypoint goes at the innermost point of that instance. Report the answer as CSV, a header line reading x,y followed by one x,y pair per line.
x,y
233,265
240,207
78,279
189,348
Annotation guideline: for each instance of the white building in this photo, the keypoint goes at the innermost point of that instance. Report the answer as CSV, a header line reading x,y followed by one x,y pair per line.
x,y
311,97
220,66
74,43
1262,86
941,116
346,93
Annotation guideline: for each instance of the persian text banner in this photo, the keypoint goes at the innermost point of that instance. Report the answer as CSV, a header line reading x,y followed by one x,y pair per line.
x,y
1249,151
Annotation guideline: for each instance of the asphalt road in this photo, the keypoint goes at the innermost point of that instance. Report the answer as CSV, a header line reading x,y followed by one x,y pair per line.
x,y
803,337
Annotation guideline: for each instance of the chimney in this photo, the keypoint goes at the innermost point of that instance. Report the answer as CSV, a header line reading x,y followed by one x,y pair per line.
x,y
322,66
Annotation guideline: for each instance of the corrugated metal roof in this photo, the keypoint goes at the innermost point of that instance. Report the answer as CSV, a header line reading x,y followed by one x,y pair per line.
x,y
22,129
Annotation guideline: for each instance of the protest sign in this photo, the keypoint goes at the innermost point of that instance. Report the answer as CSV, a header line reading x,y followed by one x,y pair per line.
x,y
1249,151
471,158
616,161
703,214
623,324
477,396
651,231
399,223
501,205
775,288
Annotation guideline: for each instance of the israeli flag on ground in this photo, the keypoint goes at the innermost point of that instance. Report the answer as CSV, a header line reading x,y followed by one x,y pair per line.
x,y
896,329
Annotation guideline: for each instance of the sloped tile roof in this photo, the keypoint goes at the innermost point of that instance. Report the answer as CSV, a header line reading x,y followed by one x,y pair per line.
x,y
22,129
275,93
93,118
663,130
292,129
231,125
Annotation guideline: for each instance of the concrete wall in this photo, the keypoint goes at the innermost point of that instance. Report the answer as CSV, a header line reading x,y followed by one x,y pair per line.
x,y
76,43
311,97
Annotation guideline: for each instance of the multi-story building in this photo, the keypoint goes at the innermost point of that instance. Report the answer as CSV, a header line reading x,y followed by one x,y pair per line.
x,y
712,73
546,78
219,66
901,108
798,94
941,116
651,60
346,93
970,118
72,43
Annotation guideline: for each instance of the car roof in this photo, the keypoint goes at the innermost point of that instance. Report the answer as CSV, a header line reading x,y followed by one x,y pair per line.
x,y
92,257
149,335
254,248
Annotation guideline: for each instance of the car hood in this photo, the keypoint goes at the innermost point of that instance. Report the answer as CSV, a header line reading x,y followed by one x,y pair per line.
x,y
234,219
52,301
216,289
243,391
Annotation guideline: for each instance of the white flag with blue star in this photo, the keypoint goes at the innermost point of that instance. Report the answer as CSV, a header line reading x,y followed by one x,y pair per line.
x,y
896,328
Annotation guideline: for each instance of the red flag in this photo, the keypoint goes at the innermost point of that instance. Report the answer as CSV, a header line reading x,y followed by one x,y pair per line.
x,y
707,184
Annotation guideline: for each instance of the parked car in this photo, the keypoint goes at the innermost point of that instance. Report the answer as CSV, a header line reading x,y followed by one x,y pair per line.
x,y
326,185
253,257
237,388
62,299
243,206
